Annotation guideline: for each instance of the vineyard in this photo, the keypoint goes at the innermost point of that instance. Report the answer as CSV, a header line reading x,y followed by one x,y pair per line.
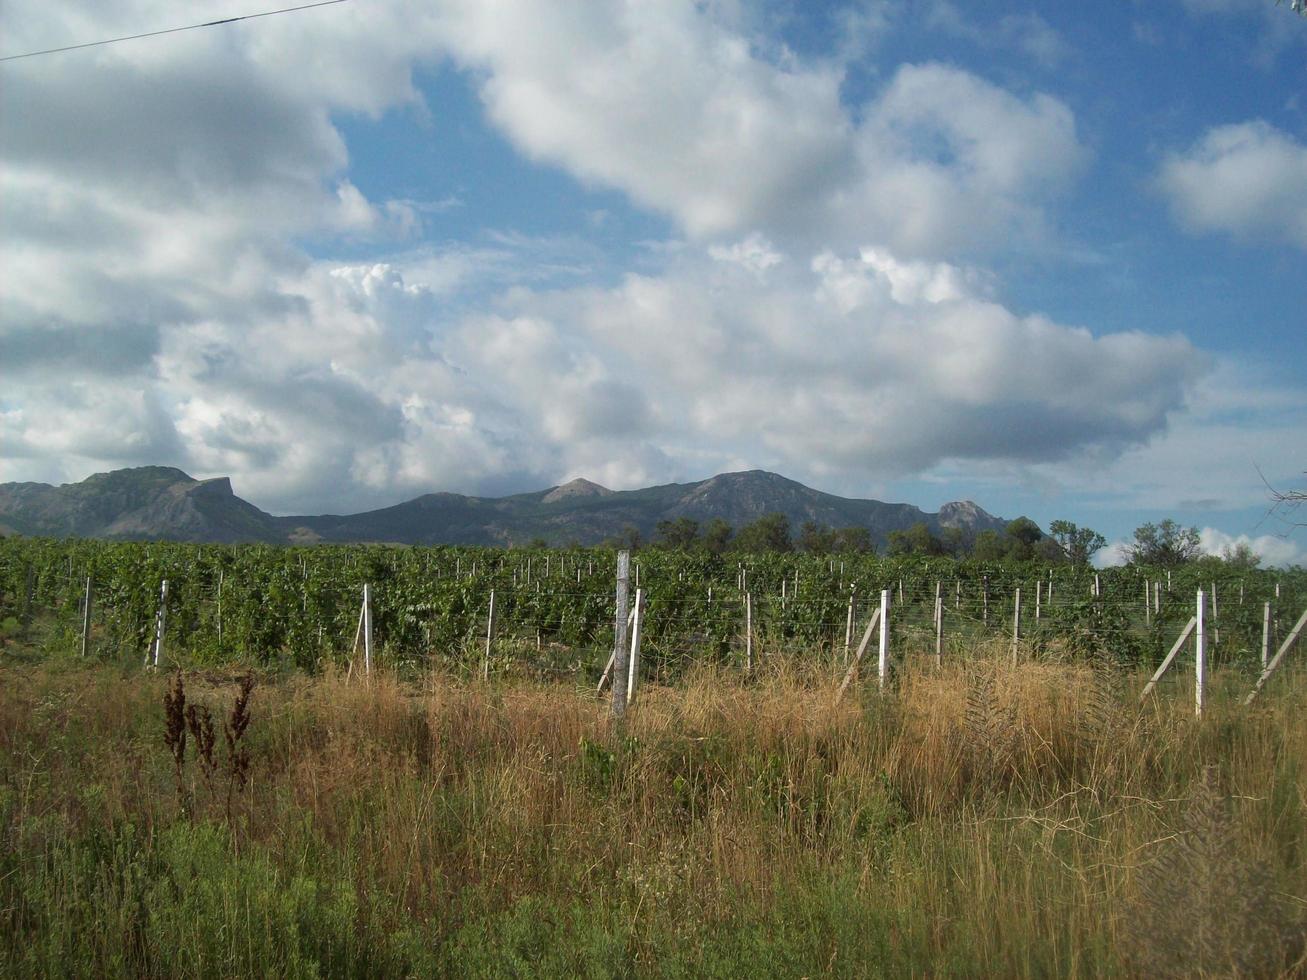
x,y
553,611
1003,808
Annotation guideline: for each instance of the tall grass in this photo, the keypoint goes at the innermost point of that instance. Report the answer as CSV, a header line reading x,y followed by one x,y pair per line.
x,y
978,820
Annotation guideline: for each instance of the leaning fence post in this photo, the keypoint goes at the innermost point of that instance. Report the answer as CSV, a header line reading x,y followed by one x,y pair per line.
x,y
608,667
1166,661
1200,657
857,657
86,617
1279,657
634,672
621,656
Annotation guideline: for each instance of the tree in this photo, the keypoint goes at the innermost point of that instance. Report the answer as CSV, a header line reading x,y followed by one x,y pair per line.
x,y
853,539
1240,555
989,546
1167,544
717,535
954,540
814,538
680,534
1022,535
771,532
1078,544
628,539
916,540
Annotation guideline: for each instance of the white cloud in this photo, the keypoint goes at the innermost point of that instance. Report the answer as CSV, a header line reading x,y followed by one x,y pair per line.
x,y
1206,465
159,304
1272,549
1249,179
866,366
754,253
1026,32
1114,554
677,110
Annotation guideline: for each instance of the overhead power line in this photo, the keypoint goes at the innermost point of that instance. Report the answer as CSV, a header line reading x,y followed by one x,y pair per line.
x,y
171,30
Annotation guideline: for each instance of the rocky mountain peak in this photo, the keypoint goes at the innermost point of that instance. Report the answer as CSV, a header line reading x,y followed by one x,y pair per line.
x,y
574,489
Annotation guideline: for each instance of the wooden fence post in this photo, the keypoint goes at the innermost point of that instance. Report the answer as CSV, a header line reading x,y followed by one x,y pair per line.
x,y
621,655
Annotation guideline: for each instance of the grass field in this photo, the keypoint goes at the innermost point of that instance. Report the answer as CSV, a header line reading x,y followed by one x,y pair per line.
x,y
980,820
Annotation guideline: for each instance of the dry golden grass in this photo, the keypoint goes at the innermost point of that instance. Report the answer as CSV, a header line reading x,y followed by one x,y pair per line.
x,y
980,819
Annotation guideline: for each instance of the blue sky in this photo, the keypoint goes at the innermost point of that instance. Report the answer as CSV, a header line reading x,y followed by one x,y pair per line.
x,y
1045,257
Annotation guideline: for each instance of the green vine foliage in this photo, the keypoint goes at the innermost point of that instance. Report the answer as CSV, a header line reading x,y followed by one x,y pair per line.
x,y
299,606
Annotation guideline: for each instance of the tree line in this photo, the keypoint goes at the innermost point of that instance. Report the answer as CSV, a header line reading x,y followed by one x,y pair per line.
x,y
1166,544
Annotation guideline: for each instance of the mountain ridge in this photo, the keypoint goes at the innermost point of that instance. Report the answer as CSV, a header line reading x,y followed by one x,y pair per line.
x,y
165,503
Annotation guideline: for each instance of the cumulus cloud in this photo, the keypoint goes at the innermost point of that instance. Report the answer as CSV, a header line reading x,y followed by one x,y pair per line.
x,y
864,365
1212,460
875,364
1248,179
671,106
163,299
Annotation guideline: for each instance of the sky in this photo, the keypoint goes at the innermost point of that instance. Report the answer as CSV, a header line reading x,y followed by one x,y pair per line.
x,y
1047,257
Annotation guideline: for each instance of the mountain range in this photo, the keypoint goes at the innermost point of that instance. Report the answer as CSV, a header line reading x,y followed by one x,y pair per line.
x,y
162,503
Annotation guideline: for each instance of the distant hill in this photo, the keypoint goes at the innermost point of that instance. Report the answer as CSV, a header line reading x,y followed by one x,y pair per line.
x,y
157,502
146,503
